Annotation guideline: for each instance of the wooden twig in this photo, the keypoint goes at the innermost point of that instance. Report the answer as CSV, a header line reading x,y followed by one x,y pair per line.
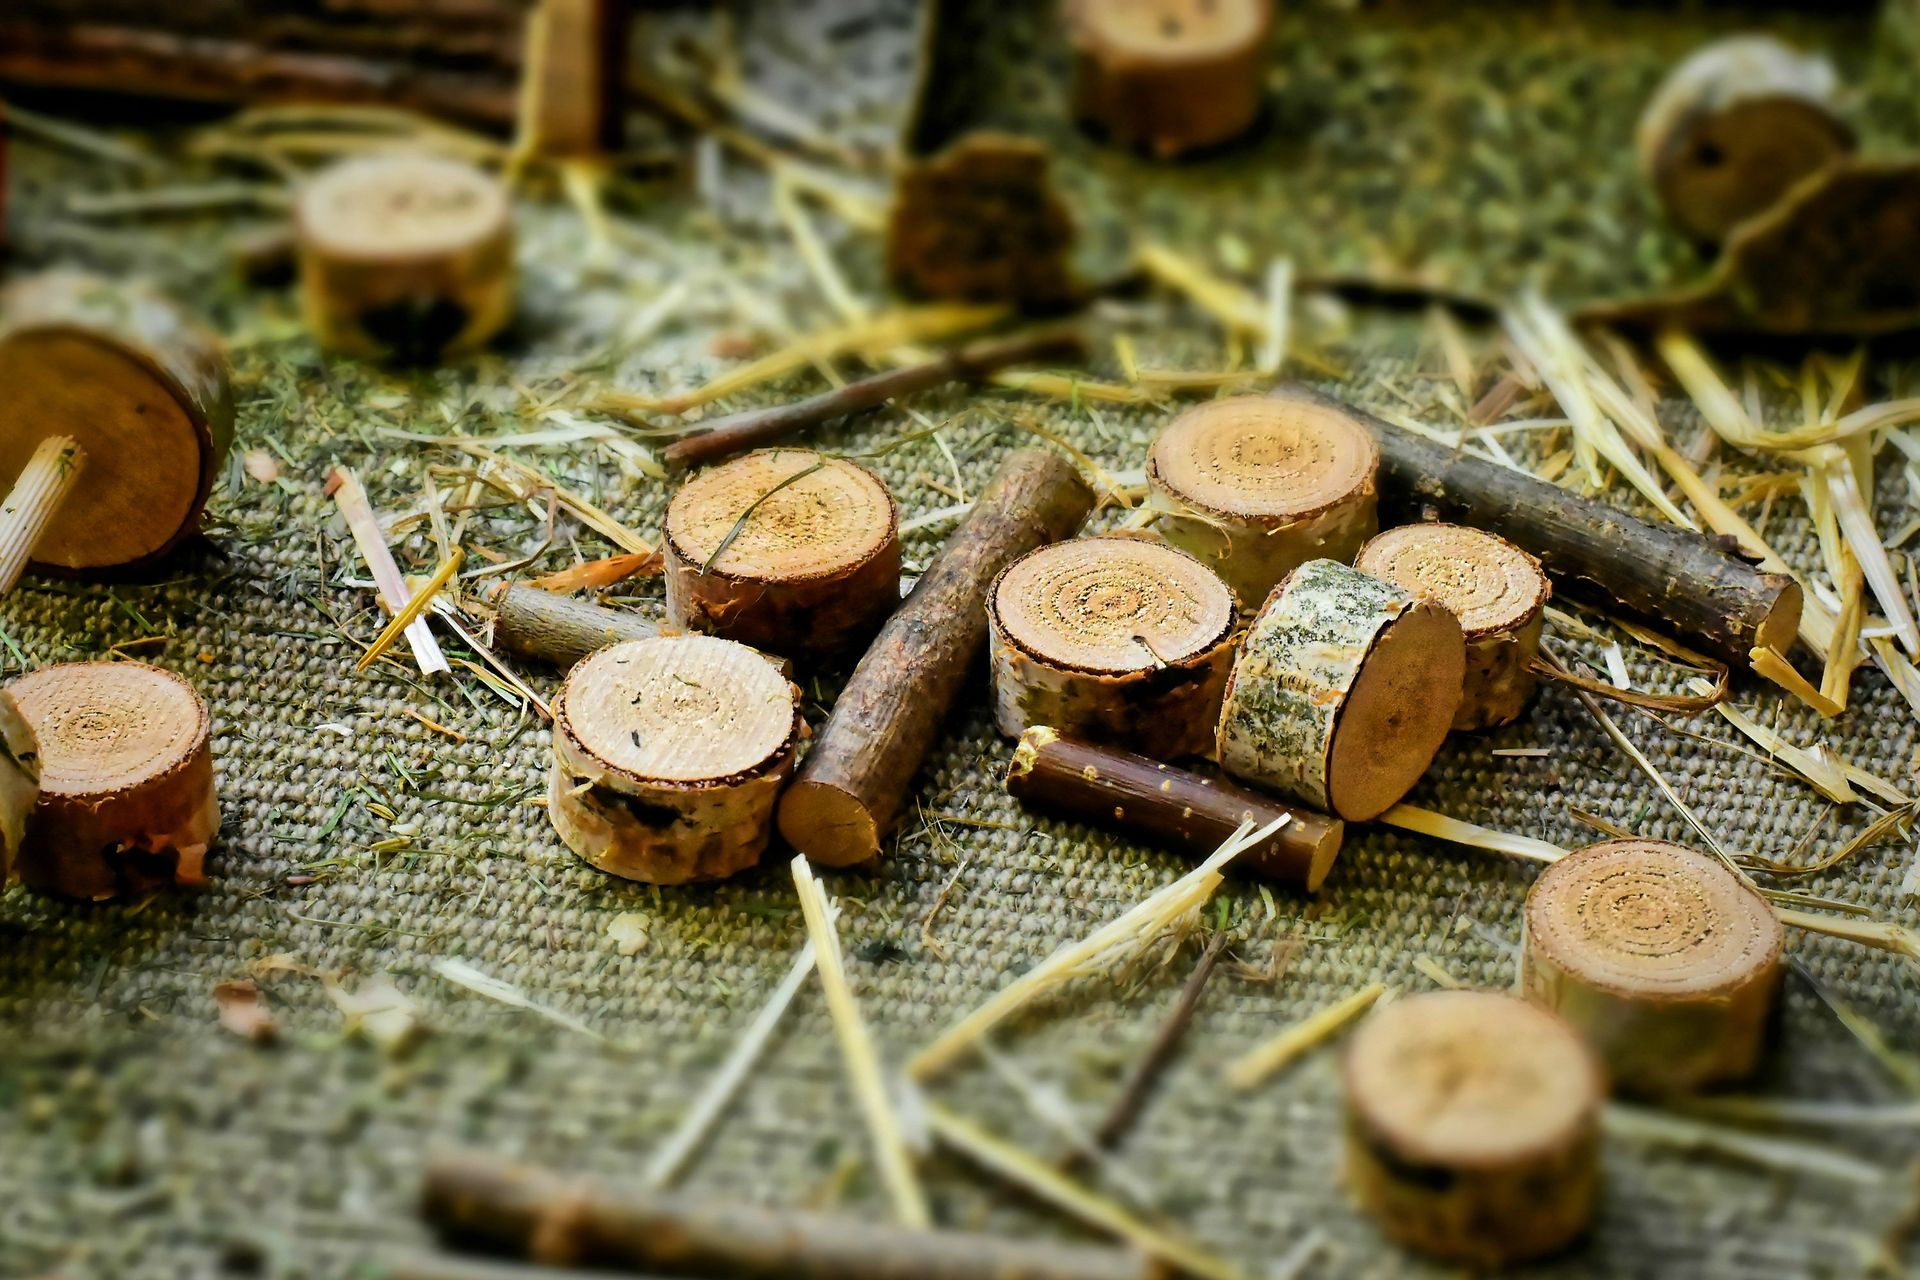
x,y
556,629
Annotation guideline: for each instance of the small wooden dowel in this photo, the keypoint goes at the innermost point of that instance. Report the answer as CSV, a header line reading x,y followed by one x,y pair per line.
x,y
34,500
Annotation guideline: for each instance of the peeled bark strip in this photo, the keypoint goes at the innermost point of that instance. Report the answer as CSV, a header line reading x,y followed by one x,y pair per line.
x,y
1495,589
143,393
1343,691
1114,639
1734,127
784,549
19,781
557,628
1660,956
853,782
405,257
126,779
667,756
1134,794
1261,485
1169,76
1473,1127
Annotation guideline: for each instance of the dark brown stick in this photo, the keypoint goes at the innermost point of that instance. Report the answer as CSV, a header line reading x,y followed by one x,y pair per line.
x,y
851,786
557,628
1118,788
454,1266
753,428
1672,580
472,1198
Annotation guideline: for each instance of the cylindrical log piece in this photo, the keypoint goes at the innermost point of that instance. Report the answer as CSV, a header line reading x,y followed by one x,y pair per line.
x,y
1736,125
559,629
855,779
1169,76
1495,589
784,549
667,756
19,781
1344,689
1112,639
141,390
1196,813
1660,956
405,257
1473,1127
126,779
1258,485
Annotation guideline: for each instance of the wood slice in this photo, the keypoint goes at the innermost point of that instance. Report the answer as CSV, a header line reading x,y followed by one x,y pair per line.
x,y
1734,127
1113,639
405,257
808,553
576,55
1342,692
1496,590
1660,956
667,756
1259,485
1169,76
19,782
1473,1126
144,393
126,779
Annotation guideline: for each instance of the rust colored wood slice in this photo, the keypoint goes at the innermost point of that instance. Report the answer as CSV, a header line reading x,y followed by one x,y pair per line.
x,y
1496,590
126,779
1169,76
19,781
1258,485
1473,1126
1661,956
668,754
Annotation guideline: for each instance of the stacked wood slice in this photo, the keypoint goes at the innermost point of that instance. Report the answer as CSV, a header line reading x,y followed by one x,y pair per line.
x,y
1496,590
668,754
126,779
19,781
1169,76
1661,956
786,550
1257,485
1473,1127
1115,639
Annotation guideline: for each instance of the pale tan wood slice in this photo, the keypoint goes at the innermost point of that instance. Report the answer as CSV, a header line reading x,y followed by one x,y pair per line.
x,y
19,782
1169,76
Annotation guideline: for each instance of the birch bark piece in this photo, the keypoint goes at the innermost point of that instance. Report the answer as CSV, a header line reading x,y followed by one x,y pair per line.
x,y
1114,639
1497,591
1734,127
19,782
668,754
1169,76
1660,956
126,779
405,257
141,389
1342,692
1258,485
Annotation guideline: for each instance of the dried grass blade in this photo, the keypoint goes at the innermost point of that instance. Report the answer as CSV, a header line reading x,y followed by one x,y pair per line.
x,y
411,610
1260,1062
1438,825
391,585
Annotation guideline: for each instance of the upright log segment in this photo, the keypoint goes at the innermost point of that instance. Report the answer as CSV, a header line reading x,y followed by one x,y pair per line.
x,y
1114,639
1342,692
1495,589
668,754
19,782
1660,956
1257,485
1169,76
786,550
1473,1127
126,779
851,787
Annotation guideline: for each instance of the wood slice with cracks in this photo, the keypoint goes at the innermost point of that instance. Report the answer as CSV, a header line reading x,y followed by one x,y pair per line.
x,y
1113,639
406,257
1473,1126
1342,692
786,550
1258,485
1660,956
1495,589
126,779
668,754
19,782
1169,76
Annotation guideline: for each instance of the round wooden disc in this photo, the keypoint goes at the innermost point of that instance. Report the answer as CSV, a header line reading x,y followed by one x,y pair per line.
x,y
1112,605
1486,582
1263,458
822,524
1471,1079
1169,31
1652,919
1738,161
686,709
1397,713
399,208
105,727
